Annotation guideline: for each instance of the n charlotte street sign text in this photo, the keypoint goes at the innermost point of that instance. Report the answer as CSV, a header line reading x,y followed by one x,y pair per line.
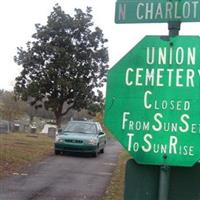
x,y
157,11
153,101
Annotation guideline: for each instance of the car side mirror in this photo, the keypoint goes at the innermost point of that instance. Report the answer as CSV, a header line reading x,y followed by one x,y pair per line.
x,y
101,133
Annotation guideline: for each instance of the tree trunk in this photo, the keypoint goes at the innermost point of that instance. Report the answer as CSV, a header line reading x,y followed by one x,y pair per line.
x,y
58,115
58,120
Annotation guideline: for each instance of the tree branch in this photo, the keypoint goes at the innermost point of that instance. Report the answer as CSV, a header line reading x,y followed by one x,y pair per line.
x,y
68,109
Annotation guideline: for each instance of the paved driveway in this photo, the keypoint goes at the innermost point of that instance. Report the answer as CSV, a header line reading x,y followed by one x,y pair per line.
x,y
63,177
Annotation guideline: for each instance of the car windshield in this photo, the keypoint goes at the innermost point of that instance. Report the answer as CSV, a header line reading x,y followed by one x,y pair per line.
x,y
76,127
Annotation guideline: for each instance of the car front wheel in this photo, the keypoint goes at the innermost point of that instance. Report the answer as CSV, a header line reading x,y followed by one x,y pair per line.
x,y
102,151
56,152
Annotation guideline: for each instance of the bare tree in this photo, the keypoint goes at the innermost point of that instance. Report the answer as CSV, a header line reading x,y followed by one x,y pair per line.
x,y
11,109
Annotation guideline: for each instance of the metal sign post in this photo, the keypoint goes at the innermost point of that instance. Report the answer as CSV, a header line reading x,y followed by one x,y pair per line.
x,y
164,180
174,28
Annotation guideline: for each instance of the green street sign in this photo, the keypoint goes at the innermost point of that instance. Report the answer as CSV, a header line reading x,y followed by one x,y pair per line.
x,y
157,11
153,101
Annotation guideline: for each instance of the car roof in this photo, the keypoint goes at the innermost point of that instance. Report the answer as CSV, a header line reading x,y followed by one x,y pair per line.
x,y
85,122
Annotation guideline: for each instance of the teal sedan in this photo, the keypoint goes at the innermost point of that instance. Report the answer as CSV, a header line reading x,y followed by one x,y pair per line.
x,y
81,136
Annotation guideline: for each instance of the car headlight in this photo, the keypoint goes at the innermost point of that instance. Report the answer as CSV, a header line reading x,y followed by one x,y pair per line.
x,y
59,139
92,141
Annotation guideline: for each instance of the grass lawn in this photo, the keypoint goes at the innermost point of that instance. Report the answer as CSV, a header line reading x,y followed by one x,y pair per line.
x,y
18,150
116,189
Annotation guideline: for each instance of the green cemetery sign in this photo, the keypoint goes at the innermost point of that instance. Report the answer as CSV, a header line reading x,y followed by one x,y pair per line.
x,y
153,101
157,11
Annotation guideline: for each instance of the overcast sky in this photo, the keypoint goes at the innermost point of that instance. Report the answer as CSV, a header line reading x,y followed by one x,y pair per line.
x,y
17,20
